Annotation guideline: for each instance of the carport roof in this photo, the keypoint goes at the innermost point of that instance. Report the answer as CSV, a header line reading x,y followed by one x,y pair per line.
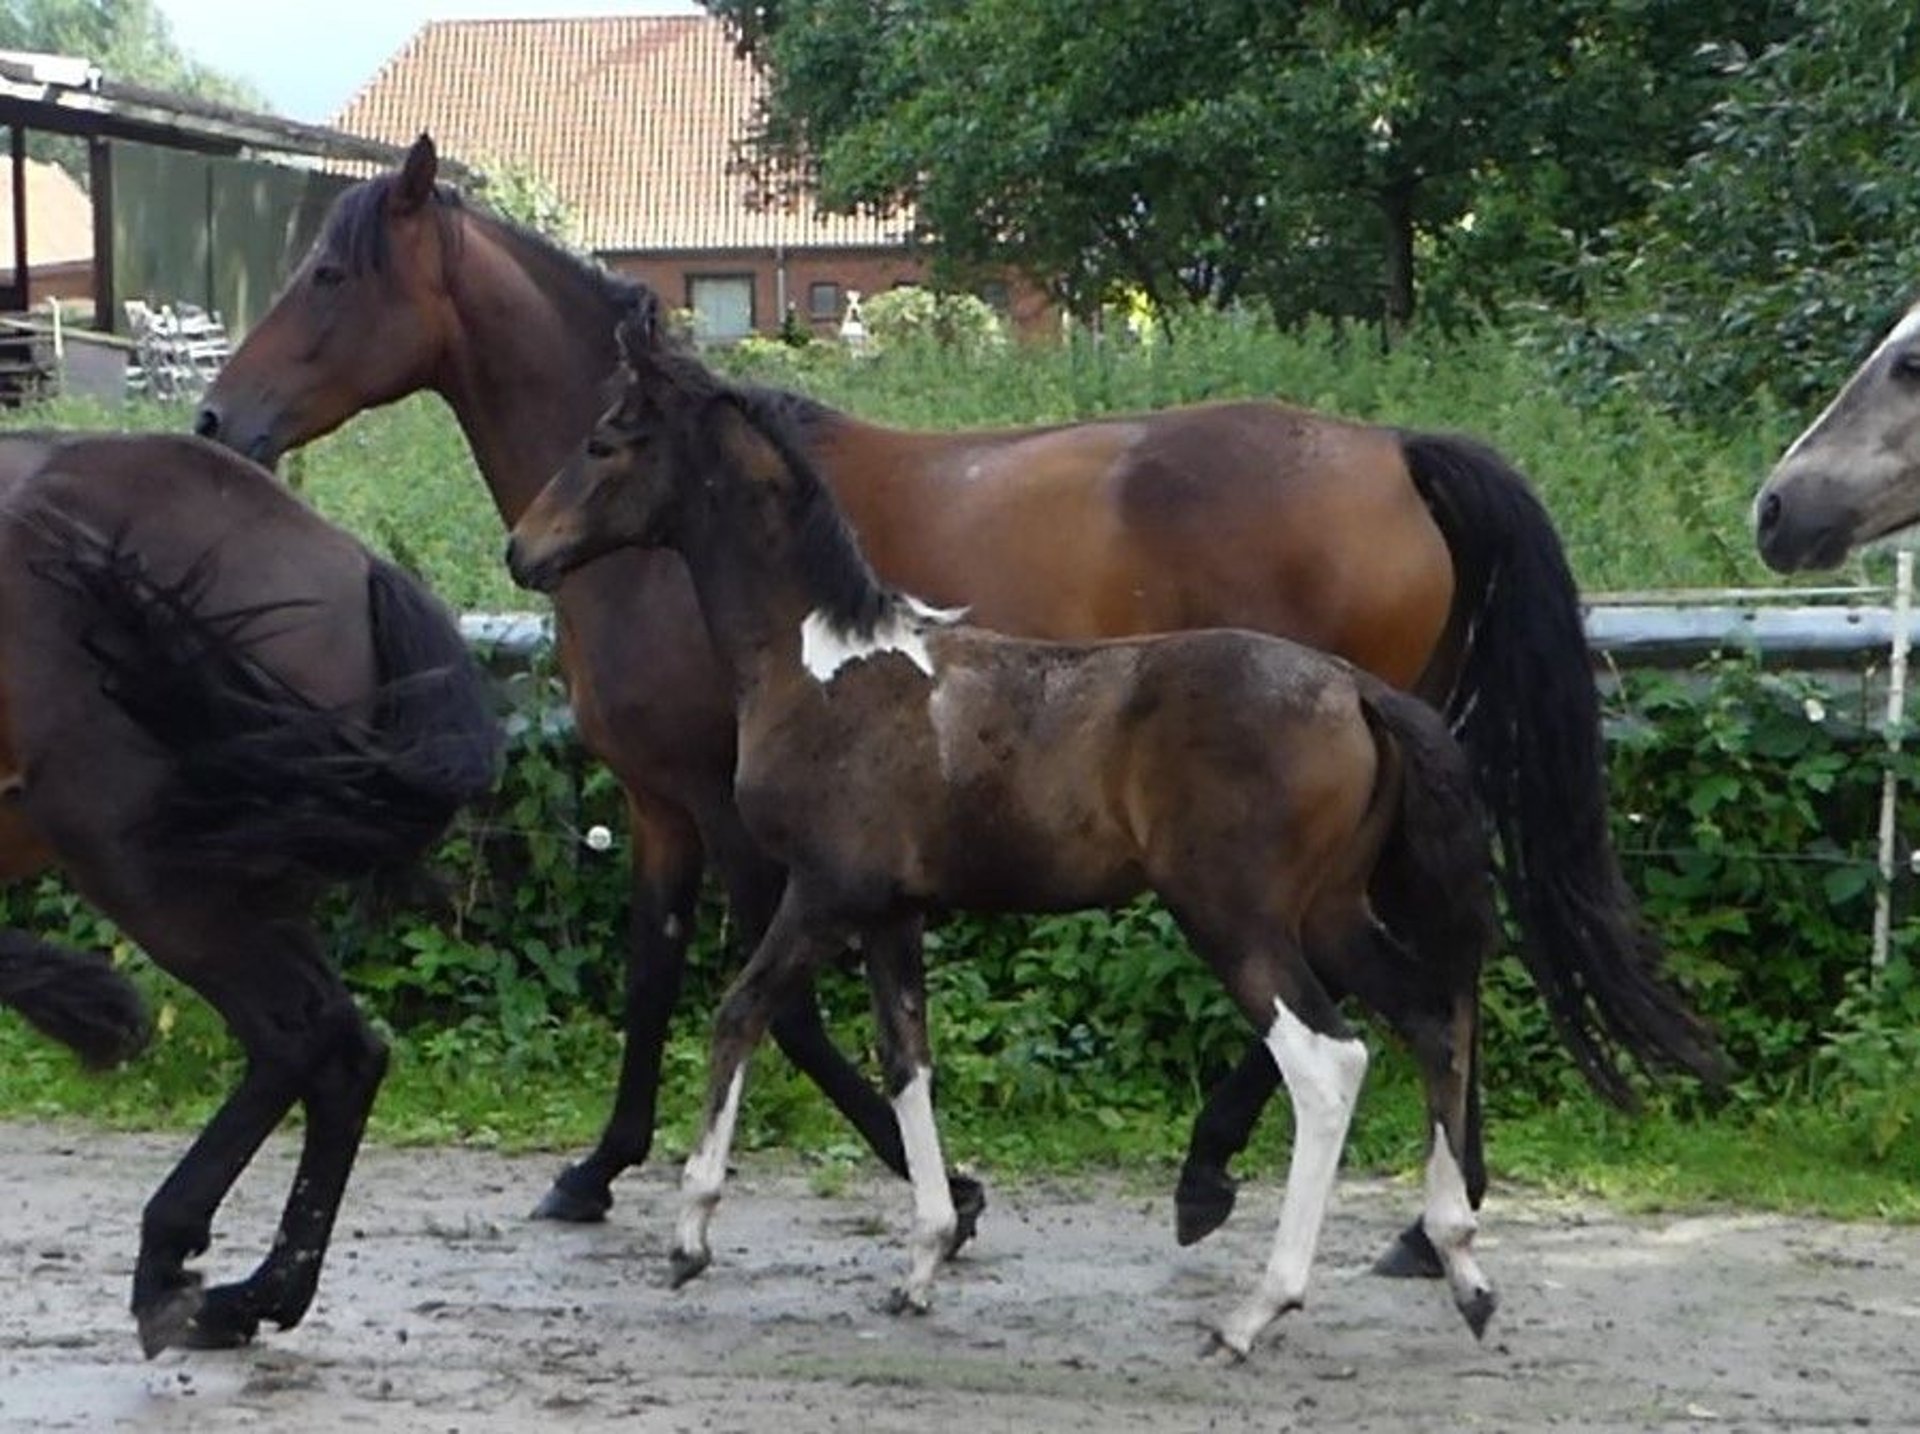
x,y
62,94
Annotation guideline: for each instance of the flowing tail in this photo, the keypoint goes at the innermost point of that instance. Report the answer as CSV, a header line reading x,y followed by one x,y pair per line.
x,y
1526,709
76,997
267,782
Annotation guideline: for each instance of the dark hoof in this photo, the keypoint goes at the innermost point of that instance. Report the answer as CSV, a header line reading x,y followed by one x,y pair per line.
x,y
685,1266
1477,1310
169,1321
228,1319
900,1302
1410,1257
1218,1351
969,1203
1202,1202
575,1199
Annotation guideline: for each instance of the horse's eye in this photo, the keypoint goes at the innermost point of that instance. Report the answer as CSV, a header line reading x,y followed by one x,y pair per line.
x,y
599,448
1905,364
328,276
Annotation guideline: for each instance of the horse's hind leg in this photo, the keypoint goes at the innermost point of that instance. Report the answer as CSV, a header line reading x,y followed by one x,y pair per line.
x,y
1322,1065
338,1097
896,974
665,890
1435,1010
271,983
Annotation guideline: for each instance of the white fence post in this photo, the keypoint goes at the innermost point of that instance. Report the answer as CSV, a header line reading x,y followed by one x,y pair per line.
x,y
1896,713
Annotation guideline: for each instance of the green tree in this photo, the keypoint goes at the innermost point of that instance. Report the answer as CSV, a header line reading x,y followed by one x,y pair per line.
x,y
130,40
1788,239
1307,153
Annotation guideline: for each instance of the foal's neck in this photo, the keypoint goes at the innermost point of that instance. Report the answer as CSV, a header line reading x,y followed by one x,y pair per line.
x,y
533,347
774,622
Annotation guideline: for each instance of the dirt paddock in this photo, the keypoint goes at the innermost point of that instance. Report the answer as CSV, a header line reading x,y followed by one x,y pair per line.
x,y
444,1309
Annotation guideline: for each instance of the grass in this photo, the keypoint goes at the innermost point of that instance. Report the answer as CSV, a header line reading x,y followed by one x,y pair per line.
x,y
467,1085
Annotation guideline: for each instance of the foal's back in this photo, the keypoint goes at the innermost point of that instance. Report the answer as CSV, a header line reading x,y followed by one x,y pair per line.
x,y
1053,776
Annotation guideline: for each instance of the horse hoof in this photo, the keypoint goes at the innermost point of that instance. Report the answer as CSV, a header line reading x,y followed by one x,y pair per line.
x,y
685,1265
1410,1257
1220,1350
969,1202
1202,1202
169,1321
227,1319
587,1205
1477,1309
905,1301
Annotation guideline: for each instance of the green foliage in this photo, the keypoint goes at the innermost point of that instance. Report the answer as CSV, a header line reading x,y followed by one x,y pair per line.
x,y
517,191
1213,152
1785,239
961,324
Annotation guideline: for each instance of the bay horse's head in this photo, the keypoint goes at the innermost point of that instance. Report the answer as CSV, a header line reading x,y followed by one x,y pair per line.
x,y
1853,477
625,481
378,268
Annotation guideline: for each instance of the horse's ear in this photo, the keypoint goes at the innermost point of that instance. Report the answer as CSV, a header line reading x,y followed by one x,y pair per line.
x,y
639,337
417,175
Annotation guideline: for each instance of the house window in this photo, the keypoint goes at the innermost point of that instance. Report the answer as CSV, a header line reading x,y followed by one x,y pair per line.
x,y
722,306
823,300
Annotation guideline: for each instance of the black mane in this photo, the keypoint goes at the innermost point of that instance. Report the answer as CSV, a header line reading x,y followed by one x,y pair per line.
x,y
357,232
843,583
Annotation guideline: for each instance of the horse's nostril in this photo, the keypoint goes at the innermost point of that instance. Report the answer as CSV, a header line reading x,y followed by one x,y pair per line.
x,y
1770,508
206,423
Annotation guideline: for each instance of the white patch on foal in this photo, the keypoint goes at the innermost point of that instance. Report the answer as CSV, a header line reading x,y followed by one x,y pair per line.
x,y
934,1219
1323,1076
825,648
706,1172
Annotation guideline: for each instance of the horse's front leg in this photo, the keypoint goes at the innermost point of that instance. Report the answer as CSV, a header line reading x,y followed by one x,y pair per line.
x,y
666,889
792,947
753,890
896,975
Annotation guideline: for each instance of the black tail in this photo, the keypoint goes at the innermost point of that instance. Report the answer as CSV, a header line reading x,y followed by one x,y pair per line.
x,y
1526,708
76,997
1438,863
265,780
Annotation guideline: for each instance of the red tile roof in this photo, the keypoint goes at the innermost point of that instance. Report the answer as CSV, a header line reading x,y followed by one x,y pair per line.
x,y
59,219
634,121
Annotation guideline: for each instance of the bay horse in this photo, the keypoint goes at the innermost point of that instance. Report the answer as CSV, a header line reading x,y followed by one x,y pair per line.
x,y
1423,558
216,706
1853,477
1313,830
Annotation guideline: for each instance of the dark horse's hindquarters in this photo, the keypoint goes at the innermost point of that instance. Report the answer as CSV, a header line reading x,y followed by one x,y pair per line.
x,y
218,704
1423,559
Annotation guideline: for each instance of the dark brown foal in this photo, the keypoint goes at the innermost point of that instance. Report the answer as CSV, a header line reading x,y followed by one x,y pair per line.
x,y
1282,804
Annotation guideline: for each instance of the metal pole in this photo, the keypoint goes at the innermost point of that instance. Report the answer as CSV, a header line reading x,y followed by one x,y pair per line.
x,y
1896,714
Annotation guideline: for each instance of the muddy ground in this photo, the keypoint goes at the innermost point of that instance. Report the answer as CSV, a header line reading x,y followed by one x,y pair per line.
x,y
444,1309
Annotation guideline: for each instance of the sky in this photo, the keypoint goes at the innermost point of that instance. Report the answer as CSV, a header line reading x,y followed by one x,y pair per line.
x,y
310,57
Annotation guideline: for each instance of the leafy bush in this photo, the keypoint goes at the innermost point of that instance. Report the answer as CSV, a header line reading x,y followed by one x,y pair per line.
x,y
958,323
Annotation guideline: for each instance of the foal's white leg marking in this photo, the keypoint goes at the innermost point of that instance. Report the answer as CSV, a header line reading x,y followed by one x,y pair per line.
x,y
934,1219
1323,1076
1450,1224
706,1172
